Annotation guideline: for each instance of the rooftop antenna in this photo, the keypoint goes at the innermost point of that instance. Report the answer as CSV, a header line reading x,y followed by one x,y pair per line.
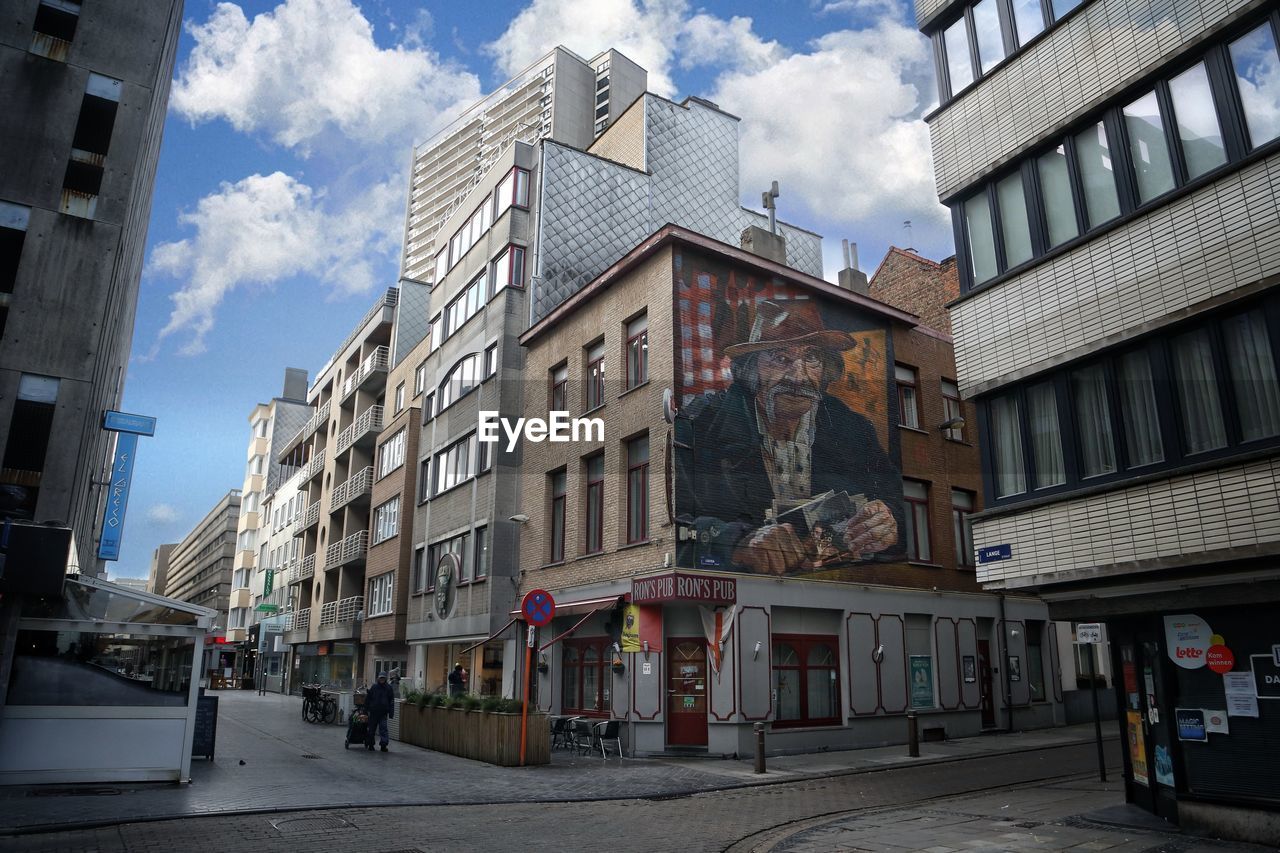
x,y
767,199
906,226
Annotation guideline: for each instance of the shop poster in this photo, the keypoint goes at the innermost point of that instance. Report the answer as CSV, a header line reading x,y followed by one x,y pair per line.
x,y
1191,725
1215,722
1187,638
1164,766
1137,748
1241,699
921,681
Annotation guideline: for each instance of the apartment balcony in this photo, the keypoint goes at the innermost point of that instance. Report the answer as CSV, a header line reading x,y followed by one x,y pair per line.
x,y
338,612
358,485
372,371
297,624
307,519
349,550
318,420
305,569
364,431
313,469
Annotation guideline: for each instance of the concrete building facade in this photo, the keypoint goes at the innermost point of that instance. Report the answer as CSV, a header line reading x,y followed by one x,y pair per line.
x,y
75,198
200,572
158,577
1110,167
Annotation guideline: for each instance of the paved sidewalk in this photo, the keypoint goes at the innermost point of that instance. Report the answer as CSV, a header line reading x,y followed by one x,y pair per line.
x,y
269,760
1077,815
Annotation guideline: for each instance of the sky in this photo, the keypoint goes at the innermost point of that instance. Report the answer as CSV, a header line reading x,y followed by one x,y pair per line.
x,y
279,205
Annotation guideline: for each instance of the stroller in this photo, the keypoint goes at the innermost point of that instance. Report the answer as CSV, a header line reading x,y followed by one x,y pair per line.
x,y
357,724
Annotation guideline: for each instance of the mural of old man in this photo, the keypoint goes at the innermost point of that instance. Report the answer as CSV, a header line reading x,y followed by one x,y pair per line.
x,y
775,473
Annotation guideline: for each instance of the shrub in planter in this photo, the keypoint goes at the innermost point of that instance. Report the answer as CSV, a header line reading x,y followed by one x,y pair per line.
x,y
490,703
470,701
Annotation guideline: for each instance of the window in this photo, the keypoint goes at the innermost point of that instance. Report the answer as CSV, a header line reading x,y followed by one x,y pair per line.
x,y
424,479
1138,409
508,269
13,234
1014,226
484,451
986,28
420,379
638,489
595,376
637,351
391,454
55,28
955,40
419,568
559,394
428,408
595,505
1148,148
464,306
1256,65
961,526
585,679
442,264
257,466
1197,386
1093,421
1006,441
491,361
399,404
916,496
1035,660
82,181
464,376
908,400
1046,436
1093,152
1253,375
982,241
514,190
556,485
453,465
482,553
1055,191
1199,135
435,333
386,520
806,680
952,410
1028,18
379,600
456,545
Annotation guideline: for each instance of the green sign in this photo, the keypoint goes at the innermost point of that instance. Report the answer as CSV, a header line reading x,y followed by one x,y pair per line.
x,y
921,673
268,608
268,583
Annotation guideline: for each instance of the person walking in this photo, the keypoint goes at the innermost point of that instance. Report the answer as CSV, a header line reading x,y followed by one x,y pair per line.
x,y
457,680
380,704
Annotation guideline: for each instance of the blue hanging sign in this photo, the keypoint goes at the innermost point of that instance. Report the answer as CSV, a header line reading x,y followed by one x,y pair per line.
x,y
125,422
117,496
994,553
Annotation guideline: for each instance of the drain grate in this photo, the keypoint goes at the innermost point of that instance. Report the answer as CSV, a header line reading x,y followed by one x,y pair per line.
x,y
317,823
316,757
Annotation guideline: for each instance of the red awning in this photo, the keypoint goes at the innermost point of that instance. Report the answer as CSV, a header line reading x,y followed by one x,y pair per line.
x,y
576,626
582,605
488,638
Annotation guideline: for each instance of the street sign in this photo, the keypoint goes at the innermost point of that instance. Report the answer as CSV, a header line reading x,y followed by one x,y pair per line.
x,y
994,553
538,607
1089,632
117,497
125,422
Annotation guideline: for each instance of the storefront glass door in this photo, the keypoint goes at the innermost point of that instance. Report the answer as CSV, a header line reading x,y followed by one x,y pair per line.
x,y
687,692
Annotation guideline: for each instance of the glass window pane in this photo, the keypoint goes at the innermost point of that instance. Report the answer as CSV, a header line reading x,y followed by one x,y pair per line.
x,y
1093,421
982,247
823,703
1055,188
83,668
1253,375
1006,442
1062,7
1148,148
1198,130
986,26
1197,387
1097,175
1028,18
1138,409
1257,68
959,67
1013,220
786,690
1046,436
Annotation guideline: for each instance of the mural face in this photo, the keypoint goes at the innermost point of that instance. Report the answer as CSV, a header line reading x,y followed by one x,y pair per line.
x,y
784,460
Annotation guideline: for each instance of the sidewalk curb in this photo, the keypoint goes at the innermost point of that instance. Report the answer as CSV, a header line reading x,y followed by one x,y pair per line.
x,y
65,826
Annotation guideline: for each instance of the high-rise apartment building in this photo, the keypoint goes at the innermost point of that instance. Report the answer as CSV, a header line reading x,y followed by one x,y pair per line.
x,y
75,196
1112,173
200,573
158,577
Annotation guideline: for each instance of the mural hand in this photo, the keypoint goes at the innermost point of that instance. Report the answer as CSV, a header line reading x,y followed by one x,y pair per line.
x,y
773,550
872,530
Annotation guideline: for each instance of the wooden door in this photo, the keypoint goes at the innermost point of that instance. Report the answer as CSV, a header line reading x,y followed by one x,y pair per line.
x,y
686,691
984,685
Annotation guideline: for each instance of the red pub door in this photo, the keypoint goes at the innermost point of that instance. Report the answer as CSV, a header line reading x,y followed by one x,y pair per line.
x,y
984,685
686,692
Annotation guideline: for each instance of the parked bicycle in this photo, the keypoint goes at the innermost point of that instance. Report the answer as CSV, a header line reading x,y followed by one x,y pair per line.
x,y
318,706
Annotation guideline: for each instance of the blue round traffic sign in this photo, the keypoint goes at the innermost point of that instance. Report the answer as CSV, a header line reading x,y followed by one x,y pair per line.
x,y
538,607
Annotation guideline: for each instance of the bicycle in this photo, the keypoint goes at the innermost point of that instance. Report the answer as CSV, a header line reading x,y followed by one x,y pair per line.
x,y
318,707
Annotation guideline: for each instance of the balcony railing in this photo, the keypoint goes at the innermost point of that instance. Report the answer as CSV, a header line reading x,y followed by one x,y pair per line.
x,y
317,420
298,620
369,424
306,520
314,468
338,612
375,363
358,485
388,300
302,569
348,550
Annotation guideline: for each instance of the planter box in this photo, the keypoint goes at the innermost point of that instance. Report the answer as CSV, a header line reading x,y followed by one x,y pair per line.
x,y
479,735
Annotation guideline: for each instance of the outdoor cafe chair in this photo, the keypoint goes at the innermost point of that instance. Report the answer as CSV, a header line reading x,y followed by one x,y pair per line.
x,y
560,733
609,731
582,734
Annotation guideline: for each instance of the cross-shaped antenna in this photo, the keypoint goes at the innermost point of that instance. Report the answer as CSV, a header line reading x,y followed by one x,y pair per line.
x,y
767,200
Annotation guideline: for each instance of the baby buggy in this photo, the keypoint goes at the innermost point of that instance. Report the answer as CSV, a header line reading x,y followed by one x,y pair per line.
x,y
357,728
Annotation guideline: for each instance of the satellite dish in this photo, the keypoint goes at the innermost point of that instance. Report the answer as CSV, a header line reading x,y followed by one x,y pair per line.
x,y
669,410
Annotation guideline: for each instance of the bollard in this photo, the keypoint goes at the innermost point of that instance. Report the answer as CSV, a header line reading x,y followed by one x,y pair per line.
x,y
913,735
759,728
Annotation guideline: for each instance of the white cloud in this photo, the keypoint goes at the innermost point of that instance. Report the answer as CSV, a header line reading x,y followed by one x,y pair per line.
x,y
839,127
264,229
162,514
312,66
644,30
708,40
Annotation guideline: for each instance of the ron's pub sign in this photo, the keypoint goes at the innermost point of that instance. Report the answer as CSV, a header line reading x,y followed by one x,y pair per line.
x,y
679,586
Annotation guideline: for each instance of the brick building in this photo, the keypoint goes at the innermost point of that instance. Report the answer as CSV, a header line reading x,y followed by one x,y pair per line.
x,y
712,570
916,284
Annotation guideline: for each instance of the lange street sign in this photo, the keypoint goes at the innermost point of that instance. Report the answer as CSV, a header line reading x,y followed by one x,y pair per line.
x,y
125,422
995,552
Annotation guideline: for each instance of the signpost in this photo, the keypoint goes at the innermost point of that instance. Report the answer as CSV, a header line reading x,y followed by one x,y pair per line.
x,y
127,428
538,608
1090,633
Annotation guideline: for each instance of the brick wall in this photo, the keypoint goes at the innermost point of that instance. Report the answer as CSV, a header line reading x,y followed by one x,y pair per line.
x,y
913,283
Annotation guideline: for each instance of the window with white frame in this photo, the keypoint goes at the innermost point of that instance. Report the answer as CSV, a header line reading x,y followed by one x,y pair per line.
x,y
391,454
386,520
381,590
637,351
420,379
464,376
453,465
399,400
491,361
915,494
952,413
908,396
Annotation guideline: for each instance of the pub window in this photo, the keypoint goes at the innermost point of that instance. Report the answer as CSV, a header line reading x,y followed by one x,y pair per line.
x,y
585,679
806,680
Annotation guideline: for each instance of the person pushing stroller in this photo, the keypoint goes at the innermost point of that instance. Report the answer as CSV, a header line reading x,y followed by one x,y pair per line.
x,y
380,704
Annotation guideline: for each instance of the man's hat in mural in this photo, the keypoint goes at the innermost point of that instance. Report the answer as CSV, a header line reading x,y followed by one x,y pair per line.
x,y
780,325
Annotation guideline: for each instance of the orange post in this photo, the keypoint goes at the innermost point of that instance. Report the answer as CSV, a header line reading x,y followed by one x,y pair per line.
x,y
524,705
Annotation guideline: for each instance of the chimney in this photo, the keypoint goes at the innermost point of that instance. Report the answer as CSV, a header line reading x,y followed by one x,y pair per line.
x,y
852,278
295,384
758,241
